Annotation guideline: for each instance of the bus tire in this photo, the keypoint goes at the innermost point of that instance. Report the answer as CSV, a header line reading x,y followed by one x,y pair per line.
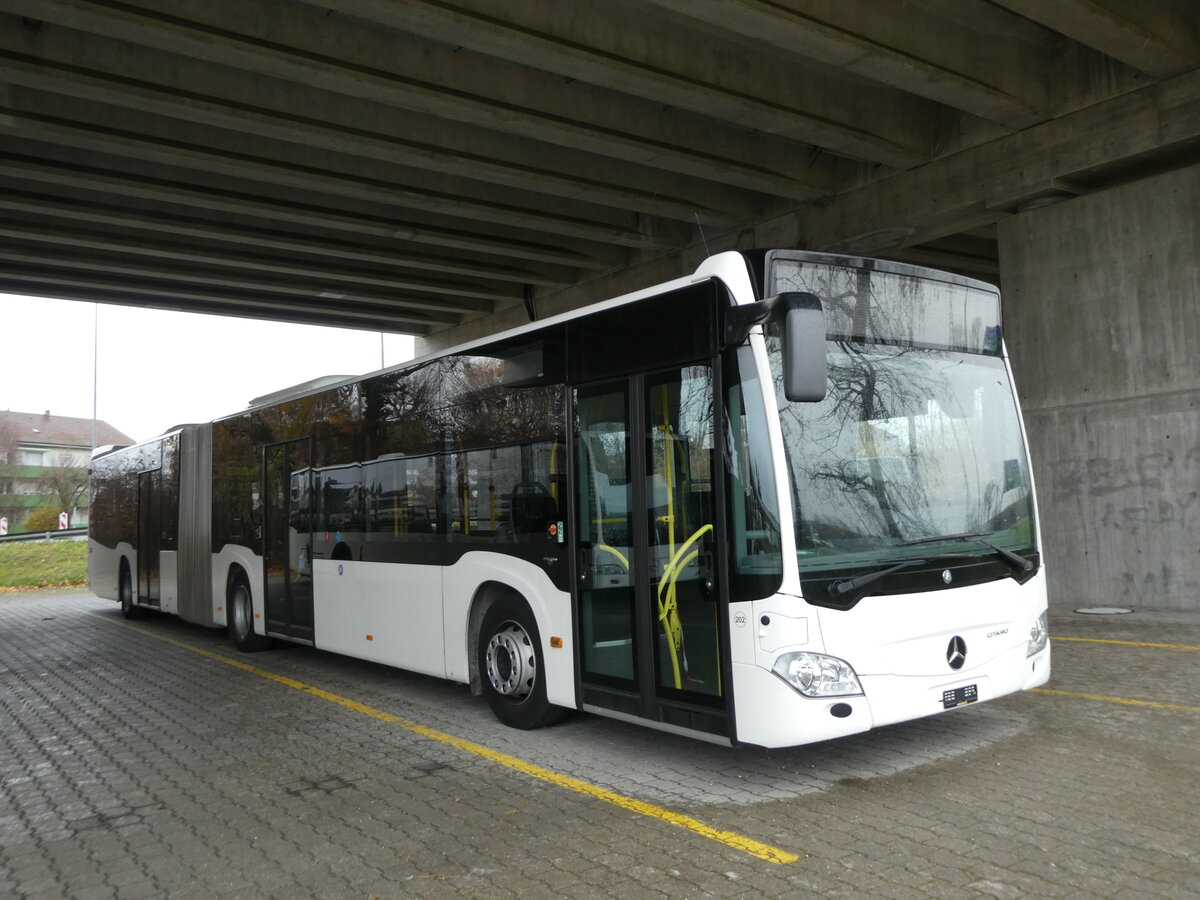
x,y
129,609
509,656
241,619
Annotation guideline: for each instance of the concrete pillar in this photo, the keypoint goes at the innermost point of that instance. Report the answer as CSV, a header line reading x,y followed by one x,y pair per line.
x,y
1102,319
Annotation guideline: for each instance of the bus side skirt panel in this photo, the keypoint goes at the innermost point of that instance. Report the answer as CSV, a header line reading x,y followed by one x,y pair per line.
x,y
382,611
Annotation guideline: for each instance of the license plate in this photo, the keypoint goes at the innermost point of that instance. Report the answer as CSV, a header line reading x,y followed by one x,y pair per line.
x,y
959,696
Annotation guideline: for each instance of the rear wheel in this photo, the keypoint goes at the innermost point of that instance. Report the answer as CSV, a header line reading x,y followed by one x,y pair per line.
x,y
241,619
128,608
511,668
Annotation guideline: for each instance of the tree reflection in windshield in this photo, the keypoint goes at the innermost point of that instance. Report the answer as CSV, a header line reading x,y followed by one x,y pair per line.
x,y
882,478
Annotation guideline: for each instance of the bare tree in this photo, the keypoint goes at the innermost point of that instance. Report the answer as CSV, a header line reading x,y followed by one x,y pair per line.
x,y
8,443
64,481
8,460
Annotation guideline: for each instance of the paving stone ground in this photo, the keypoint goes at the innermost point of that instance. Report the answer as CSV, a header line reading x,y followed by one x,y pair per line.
x,y
134,767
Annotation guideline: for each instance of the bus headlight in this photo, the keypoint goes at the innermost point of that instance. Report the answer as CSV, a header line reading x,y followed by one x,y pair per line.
x,y
817,675
1039,636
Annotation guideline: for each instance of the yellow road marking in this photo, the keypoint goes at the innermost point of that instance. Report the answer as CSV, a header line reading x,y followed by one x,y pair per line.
x,y
1121,700
729,838
1125,643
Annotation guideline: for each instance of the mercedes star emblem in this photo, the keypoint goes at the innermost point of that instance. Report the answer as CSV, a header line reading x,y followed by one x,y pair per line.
x,y
956,653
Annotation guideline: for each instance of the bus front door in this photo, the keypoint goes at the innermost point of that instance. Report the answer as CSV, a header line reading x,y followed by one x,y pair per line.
x,y
647,593
287,539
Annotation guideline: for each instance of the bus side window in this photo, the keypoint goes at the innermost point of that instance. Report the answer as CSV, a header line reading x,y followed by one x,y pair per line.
x,y
503,494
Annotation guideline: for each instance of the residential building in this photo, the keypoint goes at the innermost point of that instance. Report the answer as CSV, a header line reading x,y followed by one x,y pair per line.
x,y
44,462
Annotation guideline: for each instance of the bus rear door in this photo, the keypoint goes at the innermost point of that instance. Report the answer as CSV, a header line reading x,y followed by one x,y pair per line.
x,y
287,539
149,536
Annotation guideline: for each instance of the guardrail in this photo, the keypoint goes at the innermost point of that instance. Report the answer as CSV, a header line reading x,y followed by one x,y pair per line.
x,y
66,534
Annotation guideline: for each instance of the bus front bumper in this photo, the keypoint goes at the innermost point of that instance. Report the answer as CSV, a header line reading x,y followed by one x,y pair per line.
x,y
770,713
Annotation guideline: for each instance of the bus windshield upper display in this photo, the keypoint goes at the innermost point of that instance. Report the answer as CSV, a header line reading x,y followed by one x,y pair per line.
x,y
916,439
887,306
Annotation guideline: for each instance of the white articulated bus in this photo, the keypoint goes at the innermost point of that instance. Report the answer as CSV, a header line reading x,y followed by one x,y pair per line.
x,y
783,499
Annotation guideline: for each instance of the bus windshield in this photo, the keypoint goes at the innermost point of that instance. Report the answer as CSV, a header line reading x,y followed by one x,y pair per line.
x,y
910,444
919,437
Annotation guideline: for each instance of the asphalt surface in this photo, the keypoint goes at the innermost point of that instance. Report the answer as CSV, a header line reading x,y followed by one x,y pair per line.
x,y
156,761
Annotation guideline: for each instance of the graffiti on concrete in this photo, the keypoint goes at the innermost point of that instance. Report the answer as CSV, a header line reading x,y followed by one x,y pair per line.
x,y
1155,587
1182,512
1126,521
1101,476
1136,494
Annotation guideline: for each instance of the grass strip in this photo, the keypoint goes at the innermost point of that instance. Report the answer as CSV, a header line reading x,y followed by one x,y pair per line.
x,y
38,564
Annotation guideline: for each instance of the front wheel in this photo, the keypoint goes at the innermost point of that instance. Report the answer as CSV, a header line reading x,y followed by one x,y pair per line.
x,y
241,620
511,668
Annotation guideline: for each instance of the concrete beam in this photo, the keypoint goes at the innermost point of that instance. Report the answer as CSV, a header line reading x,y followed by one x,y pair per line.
x,y
826,39
977,187
674,64
1158,37
61,287
434,79
115,269
137,255
152,83
140,143
283,212
140,225
962,253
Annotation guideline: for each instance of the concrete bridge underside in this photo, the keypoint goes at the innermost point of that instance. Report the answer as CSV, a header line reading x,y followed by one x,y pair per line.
x,y
448,168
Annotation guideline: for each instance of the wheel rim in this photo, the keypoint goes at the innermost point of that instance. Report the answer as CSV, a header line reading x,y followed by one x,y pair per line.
x,y
511,662
241,614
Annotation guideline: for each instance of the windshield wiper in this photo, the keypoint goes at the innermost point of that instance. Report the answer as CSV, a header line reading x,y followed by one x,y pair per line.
x,y
1013,559
838,588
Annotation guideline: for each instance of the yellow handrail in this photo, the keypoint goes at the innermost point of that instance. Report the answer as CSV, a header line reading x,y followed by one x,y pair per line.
x,y
615,552
668,606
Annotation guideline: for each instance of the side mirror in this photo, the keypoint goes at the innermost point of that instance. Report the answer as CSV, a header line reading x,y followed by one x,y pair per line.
x,y
801,318
805,366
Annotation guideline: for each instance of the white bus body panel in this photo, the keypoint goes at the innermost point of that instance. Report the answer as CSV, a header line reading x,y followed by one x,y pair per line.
x,y
104,568
168,582
898,647
385,612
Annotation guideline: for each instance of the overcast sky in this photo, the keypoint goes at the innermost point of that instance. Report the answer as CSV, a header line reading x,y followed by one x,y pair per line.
x,y
159,369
